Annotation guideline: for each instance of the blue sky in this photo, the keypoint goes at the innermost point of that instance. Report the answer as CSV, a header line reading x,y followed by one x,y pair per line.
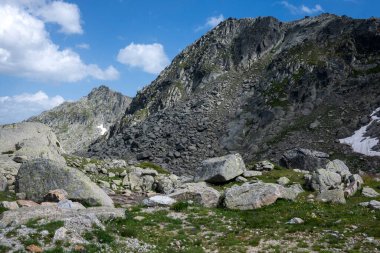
x,y
51,50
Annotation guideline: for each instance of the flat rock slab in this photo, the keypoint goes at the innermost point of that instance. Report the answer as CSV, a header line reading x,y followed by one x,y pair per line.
x,y
220,169
53,213
253,196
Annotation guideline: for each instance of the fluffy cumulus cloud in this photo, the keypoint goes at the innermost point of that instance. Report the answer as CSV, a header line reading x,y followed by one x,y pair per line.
x,y
151,58
65,14
211,22
26,48
17,108
302,9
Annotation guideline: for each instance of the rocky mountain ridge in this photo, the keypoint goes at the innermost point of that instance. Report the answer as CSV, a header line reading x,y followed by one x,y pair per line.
x,y
79,123
258,87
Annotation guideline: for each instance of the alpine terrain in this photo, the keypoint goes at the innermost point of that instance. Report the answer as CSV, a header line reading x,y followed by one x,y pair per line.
x,y
261,136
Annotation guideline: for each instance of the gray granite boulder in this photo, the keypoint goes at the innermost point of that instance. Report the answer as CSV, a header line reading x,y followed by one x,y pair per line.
x,y
304,159
220,169
252,196
37,177
199,193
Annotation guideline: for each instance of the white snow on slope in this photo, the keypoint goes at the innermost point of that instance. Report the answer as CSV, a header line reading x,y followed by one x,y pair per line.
x,y
361,144
103,130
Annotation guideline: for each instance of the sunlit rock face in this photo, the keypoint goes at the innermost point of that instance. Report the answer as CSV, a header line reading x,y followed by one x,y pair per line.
x,y
78,124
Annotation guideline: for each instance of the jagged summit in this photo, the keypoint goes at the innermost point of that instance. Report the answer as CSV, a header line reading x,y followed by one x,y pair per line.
x,y
79,123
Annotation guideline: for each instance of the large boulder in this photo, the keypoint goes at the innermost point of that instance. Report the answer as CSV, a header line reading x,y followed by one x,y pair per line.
x,y
139,179
37,177
220,169
200,193
335,196
304,159
323,179
252,196
166,183
30,140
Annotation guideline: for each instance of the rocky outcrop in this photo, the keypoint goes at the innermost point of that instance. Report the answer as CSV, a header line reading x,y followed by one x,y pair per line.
x,y
258,87
29,140
37,177
78,124
22,142
252,196
220,169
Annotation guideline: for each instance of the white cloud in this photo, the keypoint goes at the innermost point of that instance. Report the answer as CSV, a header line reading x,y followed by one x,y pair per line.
x,y
149,57
211,22
20,107
302,9
26,49
83,46
65,14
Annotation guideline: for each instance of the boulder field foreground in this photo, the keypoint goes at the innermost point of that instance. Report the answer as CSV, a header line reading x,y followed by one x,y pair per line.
x,y
261,136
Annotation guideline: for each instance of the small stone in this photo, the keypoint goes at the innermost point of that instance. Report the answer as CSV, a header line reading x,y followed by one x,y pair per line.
x,y
241,179
34,248
295,220
117,181
374,204
369,192
104,171
264,165
79,248
283,181
60,234
111,174
252,173
139,218
159,200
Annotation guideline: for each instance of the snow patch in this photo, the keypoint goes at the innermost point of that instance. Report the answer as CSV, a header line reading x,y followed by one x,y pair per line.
x,y
359,142
103,130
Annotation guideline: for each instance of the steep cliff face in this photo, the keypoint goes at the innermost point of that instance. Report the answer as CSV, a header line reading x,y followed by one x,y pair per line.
x,y
258,87
77,124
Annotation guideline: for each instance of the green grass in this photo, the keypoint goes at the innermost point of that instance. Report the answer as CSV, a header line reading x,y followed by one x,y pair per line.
x,y
179,206
7,196
149,165
274,175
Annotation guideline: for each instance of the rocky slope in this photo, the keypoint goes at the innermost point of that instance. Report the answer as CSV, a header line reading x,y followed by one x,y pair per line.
x,y
258,86
79,123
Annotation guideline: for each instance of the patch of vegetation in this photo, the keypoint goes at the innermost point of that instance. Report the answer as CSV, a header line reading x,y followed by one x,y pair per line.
x,y
180,206
141,114
51,227
99,235
8,152
4,249
276,94
7,196
150,165
374,70
274,175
